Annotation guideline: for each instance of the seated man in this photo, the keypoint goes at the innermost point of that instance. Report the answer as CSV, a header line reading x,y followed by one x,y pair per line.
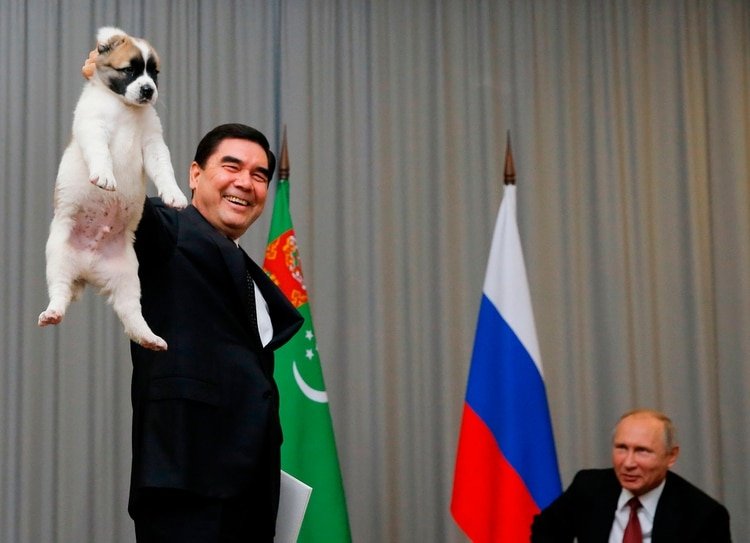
x,y
639,500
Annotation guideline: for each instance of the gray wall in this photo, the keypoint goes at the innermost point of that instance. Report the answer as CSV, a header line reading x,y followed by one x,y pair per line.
x,y
631,128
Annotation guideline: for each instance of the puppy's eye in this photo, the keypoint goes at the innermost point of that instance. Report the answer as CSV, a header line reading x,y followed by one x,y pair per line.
x,y
126,70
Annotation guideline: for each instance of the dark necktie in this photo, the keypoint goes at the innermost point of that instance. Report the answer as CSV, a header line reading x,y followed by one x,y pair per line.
x,y
633,532
252,313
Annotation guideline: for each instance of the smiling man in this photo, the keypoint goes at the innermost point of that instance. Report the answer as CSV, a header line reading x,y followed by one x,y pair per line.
x,y
639,499
206,432
643,450
230,185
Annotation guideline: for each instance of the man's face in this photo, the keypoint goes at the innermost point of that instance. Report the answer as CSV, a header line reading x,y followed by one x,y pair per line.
x,y
639,453
231,191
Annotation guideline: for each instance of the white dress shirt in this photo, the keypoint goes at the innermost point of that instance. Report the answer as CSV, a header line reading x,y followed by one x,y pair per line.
x,y
265,326
646,513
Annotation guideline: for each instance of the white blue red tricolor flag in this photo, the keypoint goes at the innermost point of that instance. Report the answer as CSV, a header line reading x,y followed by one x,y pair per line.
x,y
506,466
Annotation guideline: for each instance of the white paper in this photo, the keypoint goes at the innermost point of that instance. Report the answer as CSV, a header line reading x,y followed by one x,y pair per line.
x,y
294,496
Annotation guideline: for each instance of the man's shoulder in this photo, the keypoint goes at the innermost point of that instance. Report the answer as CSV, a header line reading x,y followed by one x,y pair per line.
x,y
698,515
157,228
679,486
157,204
158,212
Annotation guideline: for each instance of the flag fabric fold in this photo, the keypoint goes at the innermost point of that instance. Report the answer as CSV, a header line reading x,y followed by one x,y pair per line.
x,y
309,449
506,464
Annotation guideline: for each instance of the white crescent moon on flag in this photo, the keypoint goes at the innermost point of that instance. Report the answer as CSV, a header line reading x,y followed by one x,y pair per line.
x,y
319,396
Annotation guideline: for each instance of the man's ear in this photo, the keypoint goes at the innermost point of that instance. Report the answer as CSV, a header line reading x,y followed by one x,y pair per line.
x,y
194,174
673,454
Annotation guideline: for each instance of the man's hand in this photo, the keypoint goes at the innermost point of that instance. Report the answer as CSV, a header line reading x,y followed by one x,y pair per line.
x,y
89,66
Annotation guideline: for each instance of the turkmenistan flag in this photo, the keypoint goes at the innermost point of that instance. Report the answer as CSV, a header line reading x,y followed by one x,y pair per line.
x,y
309,449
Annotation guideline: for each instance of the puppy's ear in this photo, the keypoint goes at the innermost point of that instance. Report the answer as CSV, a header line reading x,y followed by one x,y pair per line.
x,y
113,43
109,38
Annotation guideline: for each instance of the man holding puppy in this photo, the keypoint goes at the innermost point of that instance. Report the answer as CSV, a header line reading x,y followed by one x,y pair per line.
x,y
206,431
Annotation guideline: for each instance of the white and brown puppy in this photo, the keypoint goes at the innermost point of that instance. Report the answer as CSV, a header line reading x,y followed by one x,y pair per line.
x,y
101,184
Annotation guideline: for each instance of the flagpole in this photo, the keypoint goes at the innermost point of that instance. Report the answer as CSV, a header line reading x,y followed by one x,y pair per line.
x,y
510,170
284,159
309,449
506,462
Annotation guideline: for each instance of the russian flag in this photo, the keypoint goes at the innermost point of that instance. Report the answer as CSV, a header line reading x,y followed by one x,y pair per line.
x,y
506,465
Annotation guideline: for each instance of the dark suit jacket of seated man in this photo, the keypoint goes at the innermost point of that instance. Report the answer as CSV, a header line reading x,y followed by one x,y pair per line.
x,y
594,507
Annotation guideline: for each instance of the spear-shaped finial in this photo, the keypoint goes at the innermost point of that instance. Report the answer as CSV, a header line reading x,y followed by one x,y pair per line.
x,y
284,159
510,171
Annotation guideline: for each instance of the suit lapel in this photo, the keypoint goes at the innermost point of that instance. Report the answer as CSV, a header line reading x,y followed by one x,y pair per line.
x,y
285,318
665,518
604,514
210,242
235,262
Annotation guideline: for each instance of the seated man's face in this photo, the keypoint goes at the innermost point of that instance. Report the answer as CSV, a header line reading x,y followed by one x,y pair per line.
x,y
639,453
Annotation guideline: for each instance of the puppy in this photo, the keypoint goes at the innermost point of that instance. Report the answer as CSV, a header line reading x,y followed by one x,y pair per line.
x,y
101,184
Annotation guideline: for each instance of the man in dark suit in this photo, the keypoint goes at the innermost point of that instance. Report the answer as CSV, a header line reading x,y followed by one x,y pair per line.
x,y
638,499
206,432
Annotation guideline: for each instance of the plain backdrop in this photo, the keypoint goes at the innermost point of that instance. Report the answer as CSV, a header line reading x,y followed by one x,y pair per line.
x,y
630,124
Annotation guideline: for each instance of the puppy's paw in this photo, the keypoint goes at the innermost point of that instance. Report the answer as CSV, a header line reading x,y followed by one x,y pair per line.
x,y
104,180
174,198
49,316
152,342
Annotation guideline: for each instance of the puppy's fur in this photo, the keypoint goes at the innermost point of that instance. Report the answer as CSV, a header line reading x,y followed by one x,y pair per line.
x,y
101,184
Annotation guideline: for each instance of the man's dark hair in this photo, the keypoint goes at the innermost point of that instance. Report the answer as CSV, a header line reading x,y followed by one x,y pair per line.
x,y
211,141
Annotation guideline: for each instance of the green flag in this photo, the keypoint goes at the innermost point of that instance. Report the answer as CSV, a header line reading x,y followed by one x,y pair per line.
x,y
309,449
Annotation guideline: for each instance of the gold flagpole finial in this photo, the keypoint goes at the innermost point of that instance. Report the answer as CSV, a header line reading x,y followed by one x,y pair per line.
x,y
284,159
510,171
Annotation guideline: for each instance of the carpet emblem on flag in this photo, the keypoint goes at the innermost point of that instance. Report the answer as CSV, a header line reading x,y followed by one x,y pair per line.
x,y
282,256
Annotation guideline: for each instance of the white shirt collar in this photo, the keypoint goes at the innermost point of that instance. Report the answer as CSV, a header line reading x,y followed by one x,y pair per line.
x,y
646,514
649,500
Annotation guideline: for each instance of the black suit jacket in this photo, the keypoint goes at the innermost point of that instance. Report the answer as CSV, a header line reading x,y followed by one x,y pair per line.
x,y
586,510
205,412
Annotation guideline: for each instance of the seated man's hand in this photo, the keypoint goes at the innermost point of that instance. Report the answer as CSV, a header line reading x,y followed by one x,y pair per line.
x,y
89,66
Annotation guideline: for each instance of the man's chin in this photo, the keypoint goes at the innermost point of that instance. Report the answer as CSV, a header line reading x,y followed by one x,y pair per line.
x,y
238,225
633,484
